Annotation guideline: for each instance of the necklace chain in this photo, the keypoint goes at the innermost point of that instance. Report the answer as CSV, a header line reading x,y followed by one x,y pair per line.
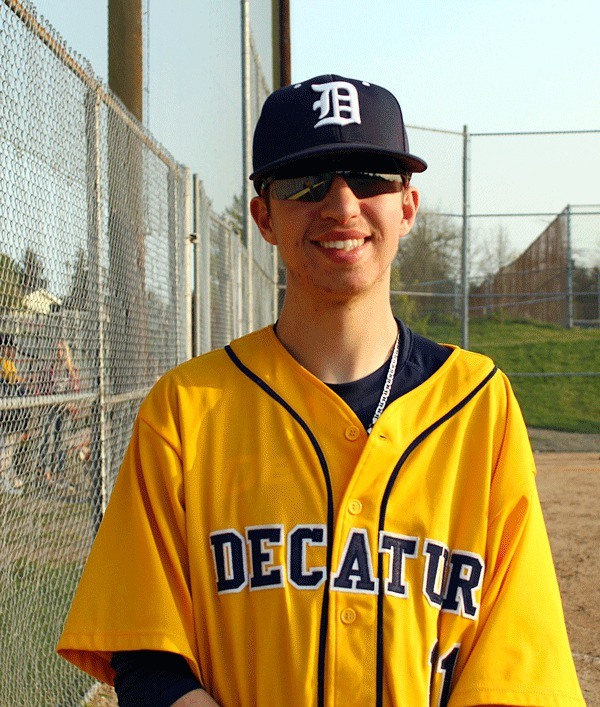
x,y
387,386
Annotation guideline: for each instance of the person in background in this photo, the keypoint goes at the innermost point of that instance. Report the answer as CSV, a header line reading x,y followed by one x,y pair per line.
x,y
62,378
12,420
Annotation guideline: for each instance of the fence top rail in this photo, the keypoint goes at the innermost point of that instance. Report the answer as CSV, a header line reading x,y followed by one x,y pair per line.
x,y
436,130
61,51
537,132
506,133
549,213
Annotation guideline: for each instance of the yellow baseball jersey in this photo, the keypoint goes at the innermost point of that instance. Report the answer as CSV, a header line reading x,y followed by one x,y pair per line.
x,y
8,371
257,530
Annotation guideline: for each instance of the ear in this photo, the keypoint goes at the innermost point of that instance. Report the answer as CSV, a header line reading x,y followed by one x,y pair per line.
x,y
262,218
410,206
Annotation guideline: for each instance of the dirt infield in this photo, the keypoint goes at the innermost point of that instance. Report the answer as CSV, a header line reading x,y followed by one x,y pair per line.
x,y
569,487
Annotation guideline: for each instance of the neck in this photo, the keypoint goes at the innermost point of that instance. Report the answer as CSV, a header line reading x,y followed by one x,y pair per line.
x,y
338,343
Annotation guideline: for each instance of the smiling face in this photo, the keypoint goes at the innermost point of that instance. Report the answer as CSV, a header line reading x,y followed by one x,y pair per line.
x,y
341,247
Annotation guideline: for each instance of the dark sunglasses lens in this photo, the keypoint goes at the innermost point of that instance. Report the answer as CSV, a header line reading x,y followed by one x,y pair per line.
x,y
314,188
311,188
365,186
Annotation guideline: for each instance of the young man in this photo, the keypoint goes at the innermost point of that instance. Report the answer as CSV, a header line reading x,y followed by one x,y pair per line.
x,y
333,510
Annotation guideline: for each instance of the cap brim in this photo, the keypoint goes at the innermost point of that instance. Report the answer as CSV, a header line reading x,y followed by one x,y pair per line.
x,y
405,161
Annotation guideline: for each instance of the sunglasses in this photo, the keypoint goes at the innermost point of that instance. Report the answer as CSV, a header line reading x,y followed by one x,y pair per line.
x,y
315,187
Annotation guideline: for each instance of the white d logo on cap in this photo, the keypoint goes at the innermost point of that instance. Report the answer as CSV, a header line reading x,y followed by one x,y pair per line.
x,y
338,103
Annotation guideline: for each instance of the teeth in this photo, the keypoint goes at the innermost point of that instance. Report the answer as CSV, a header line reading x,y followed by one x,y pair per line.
x,y
343,245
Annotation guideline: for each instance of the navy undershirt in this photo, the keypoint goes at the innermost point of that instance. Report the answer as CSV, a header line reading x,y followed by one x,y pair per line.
x,y
160,678
418,359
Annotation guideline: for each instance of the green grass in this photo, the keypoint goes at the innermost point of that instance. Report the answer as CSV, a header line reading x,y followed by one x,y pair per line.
x,y
34,603
564,403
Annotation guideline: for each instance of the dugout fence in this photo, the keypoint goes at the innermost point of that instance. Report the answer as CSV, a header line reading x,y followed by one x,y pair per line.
x,y
114,267
93,227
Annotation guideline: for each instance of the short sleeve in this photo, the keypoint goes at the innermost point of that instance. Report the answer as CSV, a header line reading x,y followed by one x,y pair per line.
x,y
134,592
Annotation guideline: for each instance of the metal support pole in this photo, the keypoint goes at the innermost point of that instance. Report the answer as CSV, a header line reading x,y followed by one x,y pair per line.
x,y
465,236
247,154
569,270
202,278
275,285
96,305
188,265
239,288
196,318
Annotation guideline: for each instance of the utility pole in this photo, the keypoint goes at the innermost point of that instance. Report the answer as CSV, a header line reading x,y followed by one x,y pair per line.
x,y
282,63
126,53
127,340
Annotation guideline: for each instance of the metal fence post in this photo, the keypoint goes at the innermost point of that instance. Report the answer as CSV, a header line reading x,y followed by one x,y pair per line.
x,y
97,306
247,153
275,285
189,246
196,320
202,277
466,226
569,270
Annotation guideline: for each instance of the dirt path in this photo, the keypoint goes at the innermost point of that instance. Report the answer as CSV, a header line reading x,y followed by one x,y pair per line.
x,y
569,487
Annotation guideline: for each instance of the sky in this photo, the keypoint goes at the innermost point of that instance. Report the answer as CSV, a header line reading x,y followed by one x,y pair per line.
x,y
514,66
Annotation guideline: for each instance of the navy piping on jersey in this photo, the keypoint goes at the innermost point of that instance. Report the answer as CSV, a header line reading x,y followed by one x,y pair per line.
x,y
322,461
384,503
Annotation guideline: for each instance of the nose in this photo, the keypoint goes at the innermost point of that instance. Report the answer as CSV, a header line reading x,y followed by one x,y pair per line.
x,y
340,203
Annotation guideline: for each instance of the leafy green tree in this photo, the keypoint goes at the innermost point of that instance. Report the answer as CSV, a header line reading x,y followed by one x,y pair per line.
x,y
11,283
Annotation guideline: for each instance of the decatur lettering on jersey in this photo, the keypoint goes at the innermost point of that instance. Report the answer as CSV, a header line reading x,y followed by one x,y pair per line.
x,y
451,578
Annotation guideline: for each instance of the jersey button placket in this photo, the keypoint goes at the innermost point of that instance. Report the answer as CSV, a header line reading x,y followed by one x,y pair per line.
x,y
355,507
352,433
348,616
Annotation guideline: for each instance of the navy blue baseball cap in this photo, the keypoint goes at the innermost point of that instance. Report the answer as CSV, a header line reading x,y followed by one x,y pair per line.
x,y
331,122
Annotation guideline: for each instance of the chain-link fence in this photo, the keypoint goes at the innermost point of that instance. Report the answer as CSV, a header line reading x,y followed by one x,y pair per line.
x,y
471,256
93,226
236,277
501,261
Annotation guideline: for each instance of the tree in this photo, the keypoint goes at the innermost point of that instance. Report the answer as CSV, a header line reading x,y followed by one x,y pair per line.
x,y
233,215
11,283
586,298
428,262
78,296
492,254
430,253
33,272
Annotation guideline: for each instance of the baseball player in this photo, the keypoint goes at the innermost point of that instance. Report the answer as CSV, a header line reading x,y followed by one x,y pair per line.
x,y
332,510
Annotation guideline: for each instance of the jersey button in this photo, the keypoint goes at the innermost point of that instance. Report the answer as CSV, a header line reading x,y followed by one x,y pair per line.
x,y
348,616
355,507
352,433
